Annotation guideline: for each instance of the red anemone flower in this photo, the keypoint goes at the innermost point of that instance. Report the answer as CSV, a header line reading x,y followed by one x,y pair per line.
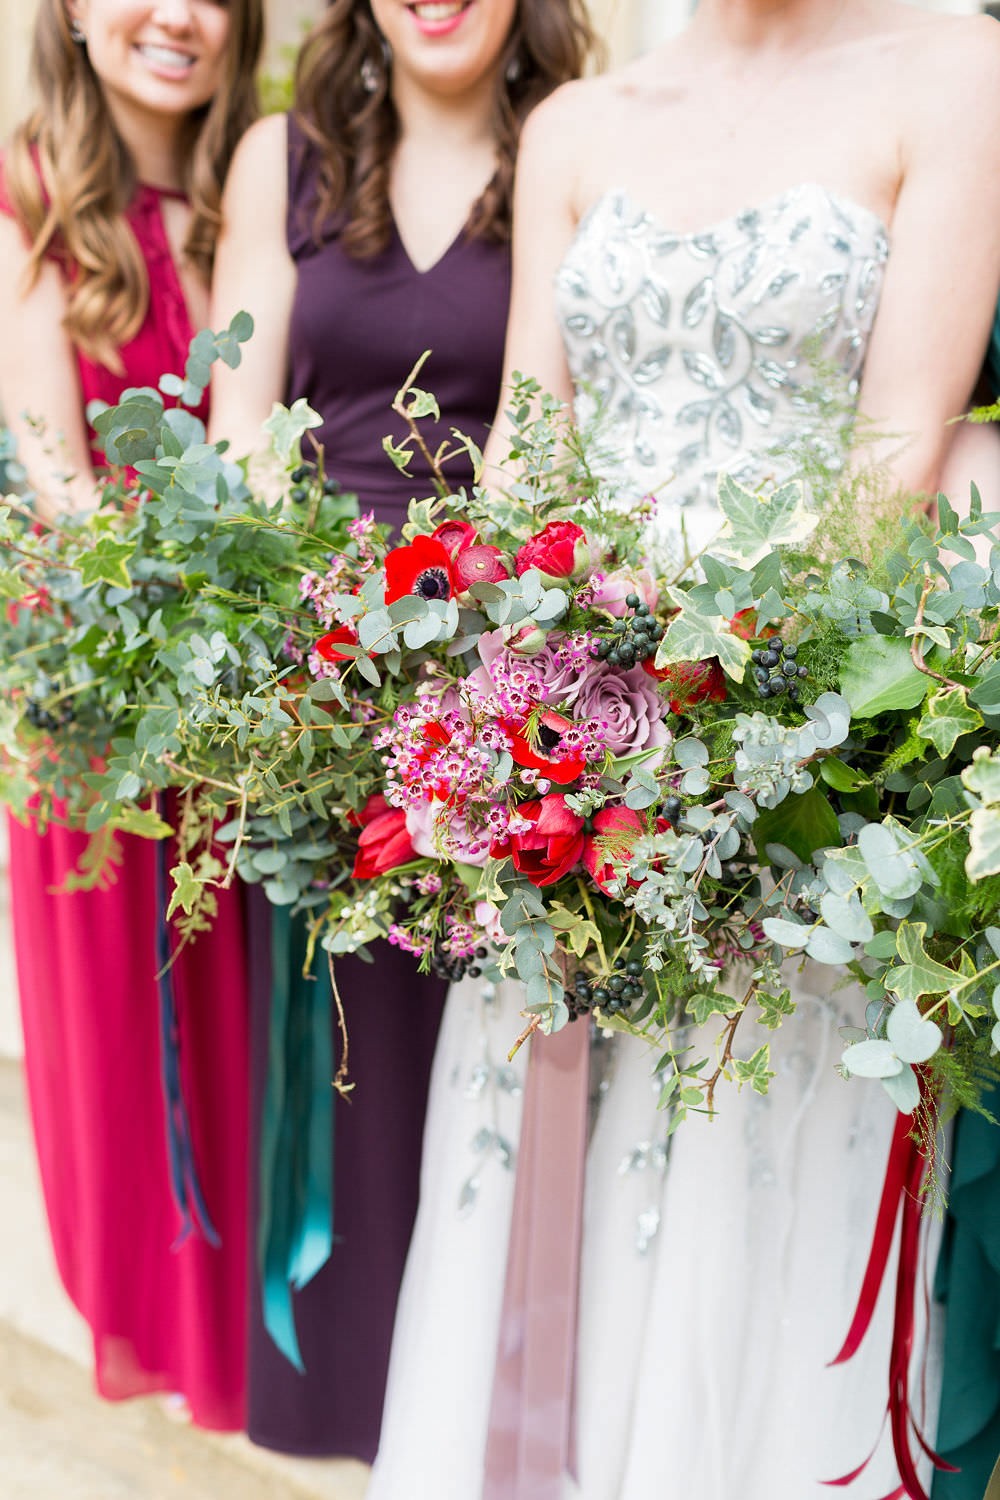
x,y
538,756
424,568
327,645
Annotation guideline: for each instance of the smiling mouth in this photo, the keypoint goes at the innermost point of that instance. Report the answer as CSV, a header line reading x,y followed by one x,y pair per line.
x,y
166,57
438,10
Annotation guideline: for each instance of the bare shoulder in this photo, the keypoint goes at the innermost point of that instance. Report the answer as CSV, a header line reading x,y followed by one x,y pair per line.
x,y
558,121
949,73
952,52
263,149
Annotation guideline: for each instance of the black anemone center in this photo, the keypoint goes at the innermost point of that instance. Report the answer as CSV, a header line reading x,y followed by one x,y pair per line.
x,y
432,584
548,738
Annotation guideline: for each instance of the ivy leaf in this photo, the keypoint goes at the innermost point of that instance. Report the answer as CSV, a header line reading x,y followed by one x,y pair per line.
x,y
758,522
918,974
693,636
983,776
399,454
105,563
802,823
878,676
983,857
287,426
187,889
946,717
754,1070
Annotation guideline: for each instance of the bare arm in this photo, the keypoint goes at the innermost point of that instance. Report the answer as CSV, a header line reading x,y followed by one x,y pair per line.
x,y
254,273
544,223
943,271
39,387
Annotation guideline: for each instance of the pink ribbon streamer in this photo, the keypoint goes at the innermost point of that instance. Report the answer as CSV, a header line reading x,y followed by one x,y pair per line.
x,y
530,1441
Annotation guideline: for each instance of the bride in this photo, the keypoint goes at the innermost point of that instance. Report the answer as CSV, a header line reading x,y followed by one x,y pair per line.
x,y
790,181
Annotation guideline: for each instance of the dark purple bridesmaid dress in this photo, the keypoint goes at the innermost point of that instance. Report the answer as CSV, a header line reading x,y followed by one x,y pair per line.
x,y
357,328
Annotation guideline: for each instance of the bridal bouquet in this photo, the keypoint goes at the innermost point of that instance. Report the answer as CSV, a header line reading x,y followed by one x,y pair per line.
x,y
521,740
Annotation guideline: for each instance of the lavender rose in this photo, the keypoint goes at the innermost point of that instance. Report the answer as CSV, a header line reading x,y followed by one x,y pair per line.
x,y
609,591
628,703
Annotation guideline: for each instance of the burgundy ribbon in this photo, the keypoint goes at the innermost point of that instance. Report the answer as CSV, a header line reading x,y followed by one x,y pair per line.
x,y
530,1441
900,1200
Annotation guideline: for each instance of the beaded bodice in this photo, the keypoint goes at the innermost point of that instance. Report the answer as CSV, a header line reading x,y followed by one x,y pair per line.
x,y
735,347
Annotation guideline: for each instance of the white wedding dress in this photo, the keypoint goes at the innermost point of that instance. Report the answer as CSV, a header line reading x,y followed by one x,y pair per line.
x,y
719,1274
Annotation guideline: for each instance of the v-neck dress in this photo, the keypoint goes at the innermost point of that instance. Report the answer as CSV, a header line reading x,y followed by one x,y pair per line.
x,y
164,1316
357,328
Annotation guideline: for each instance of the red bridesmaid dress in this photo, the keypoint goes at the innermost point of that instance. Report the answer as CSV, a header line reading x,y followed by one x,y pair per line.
x,y
166,1313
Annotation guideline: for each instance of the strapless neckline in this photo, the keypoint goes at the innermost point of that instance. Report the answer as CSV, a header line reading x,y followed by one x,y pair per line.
x,y
777,201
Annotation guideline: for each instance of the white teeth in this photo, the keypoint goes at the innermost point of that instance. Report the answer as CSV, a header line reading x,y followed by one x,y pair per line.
x,y
166,57
438,10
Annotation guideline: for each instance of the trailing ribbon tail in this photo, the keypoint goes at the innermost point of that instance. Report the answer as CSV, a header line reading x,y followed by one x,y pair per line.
x,y
295,1225
900,1201
185,1187
531,1433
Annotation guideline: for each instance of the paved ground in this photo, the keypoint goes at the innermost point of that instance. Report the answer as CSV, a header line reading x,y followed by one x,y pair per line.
x,y
58,1441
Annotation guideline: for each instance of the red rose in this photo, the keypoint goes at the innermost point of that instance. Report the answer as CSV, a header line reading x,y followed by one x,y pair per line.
x,y
326,646
558,551
538,756
550,848
454,536
480,564
384,842
691,682
623,826
424,568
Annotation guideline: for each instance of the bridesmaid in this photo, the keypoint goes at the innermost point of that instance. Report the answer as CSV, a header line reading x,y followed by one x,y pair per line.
x,y
370,225
109,208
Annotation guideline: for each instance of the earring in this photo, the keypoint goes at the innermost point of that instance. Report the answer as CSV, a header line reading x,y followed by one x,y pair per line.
x,y
513,70
77,33
372,75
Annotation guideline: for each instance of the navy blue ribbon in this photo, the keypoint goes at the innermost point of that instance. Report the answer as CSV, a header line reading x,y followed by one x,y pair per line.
x,y
184,1182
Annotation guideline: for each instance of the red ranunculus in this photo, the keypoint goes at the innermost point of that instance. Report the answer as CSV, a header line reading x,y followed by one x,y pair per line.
x,y
455,536
539,757
619,823
480,564
554,843
691,682
384,842
424,567
327,645
557,551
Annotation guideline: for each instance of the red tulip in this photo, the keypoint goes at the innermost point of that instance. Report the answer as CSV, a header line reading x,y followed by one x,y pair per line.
x,y
554,843
620,826
326,646
384,843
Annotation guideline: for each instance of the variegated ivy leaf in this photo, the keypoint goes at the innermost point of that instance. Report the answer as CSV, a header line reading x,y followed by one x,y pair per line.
x,y
693,636
983,857
918,974
287,426
759,522
983,776
946,717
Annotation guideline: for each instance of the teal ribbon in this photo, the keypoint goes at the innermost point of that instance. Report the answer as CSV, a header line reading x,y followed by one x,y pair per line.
x,y
993,357
295,1226
968,1281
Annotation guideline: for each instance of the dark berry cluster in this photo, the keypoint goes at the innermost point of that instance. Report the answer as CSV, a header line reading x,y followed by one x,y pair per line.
x,y
611,995
776,669
302,478
41,718
444,966
635,637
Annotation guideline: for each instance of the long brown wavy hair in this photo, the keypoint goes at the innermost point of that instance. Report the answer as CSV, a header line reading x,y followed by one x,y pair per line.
x,y
70,177
354,131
